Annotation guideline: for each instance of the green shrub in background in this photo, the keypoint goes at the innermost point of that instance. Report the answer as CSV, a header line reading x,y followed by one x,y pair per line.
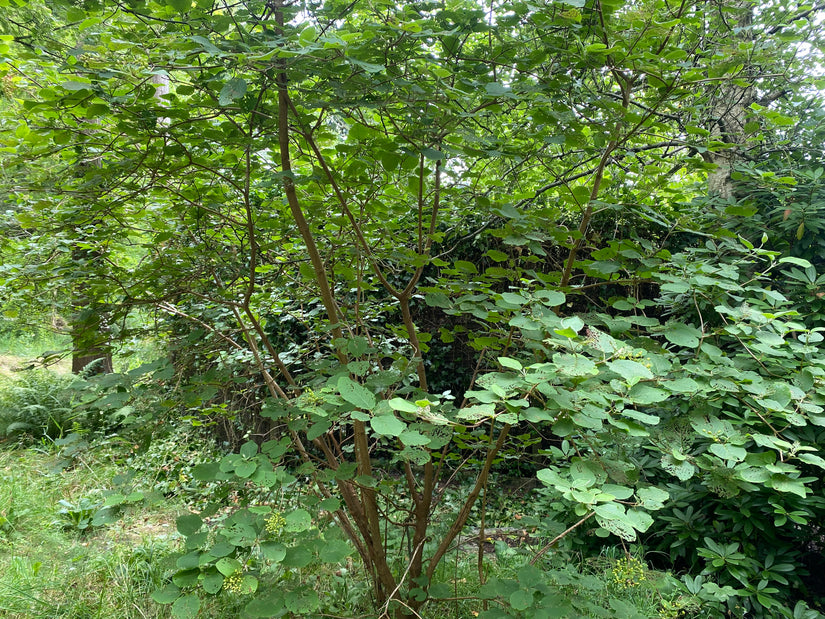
x,y
165,462
41,338
36,404
40,403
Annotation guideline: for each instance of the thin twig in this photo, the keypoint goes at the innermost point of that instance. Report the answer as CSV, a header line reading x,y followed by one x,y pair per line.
x,y
386,608
544,550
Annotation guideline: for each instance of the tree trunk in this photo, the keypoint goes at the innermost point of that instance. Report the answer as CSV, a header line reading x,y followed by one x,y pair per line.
x,y
729,107
90,350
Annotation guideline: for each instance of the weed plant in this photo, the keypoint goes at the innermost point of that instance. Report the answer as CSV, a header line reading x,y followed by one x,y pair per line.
x,y
37,404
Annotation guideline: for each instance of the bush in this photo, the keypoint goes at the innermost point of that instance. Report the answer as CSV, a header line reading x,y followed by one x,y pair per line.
x,y
165,463
39,403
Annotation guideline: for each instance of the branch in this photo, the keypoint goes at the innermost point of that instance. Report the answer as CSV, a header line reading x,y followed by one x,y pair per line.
x,y
553,541
461,519
801,15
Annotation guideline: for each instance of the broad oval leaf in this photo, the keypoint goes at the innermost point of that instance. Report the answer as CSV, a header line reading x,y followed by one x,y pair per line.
x,y
682,334
186,607
356,394
387,425
167,595
228,566
631,371
189,524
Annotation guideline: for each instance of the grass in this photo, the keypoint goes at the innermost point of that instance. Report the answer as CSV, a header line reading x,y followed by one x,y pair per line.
x,y
51,571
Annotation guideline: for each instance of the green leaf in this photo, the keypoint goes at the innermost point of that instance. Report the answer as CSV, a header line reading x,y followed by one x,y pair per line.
x,y
509,363
754,475
645,394
638,519
497,256
574,364
812,459
228,566
437,299
335,551
728,452
612,517
207,45
167,595
357,346
249,449
631,371
249,584
271,605
189,524
465,266
617,492
387,425
189,560
496,89
512,298
114,499
246,469
297,556
221,549
186,578
405,406
800,262
369,67
212,582
232,90
432,154
682,469
551,298
74,86
308,35
356,394
298,520
273,551
741,210
414,438
784,483
682,334
521,599
681,385
651,420
181,6
677,287
186,607
652,497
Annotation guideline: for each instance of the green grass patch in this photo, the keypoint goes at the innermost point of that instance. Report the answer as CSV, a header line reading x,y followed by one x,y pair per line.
x,y
51,569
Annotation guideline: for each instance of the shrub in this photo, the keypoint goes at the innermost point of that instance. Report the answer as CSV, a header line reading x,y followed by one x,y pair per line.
x,y
38,403
165,463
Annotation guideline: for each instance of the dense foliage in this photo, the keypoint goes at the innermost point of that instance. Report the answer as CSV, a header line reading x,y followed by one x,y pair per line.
x,y
385,245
